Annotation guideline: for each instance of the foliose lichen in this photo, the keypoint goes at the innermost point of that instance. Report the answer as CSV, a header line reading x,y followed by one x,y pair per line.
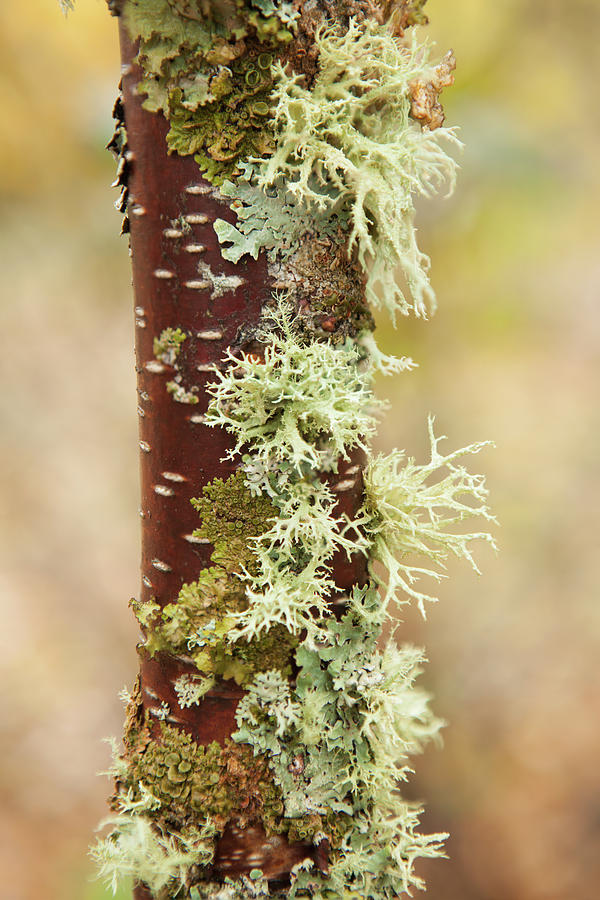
x,y
207,68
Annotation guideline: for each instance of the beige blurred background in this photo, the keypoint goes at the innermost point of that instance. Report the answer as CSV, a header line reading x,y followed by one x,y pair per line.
x,y
512,355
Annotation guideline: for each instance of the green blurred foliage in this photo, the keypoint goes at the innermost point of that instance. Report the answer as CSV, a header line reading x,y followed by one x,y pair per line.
x,y
512,354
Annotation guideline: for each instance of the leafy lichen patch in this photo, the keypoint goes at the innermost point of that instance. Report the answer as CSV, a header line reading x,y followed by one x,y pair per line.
x,y
207,67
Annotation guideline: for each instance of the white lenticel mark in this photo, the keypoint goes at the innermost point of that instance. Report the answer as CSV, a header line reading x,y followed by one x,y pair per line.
x,y
154,366
197,420
354,470
139,210
161,566
197,189
344,485
140,311
174,720
197,285
192,539
172,233
186,659
163,273
163,490
147,581
141,413
145,446
196,219
206,367
195,248
210,335
173,476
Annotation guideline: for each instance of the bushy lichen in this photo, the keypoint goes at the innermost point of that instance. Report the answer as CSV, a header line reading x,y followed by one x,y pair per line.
x,y
137,849
340,740
342,142
308,404
412,511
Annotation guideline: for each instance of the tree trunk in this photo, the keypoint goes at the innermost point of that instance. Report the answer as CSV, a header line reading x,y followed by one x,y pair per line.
x,y
171,212
267,735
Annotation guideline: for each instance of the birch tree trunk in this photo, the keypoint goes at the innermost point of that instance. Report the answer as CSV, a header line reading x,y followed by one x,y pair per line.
x,y
268,156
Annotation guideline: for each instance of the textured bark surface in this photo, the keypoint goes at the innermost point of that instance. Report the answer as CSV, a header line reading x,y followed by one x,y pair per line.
x,y
171,210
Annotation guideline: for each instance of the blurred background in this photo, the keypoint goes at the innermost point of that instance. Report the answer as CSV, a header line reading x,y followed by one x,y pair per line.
x,y
512,355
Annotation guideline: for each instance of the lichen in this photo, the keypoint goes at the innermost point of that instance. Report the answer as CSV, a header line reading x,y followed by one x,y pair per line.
x,y
167,346
340,740
207,67
231,517
412,511
305,403
179,393
344,141
192,784
200,622
136,848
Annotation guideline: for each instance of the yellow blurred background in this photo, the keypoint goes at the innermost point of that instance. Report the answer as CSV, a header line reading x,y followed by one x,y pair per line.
x,y
512,355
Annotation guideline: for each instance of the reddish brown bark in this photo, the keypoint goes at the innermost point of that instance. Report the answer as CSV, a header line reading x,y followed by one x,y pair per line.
x,y
171,211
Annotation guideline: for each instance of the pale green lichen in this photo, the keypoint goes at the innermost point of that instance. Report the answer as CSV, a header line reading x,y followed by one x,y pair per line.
x,y
167,346
293,584
348,141
137,849
411,512
339,742
306,403
180,394
190,689
270,220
